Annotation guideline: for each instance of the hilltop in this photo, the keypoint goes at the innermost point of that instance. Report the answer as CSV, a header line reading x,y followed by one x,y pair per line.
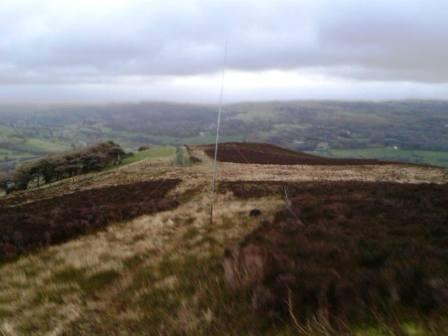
x,y
335,247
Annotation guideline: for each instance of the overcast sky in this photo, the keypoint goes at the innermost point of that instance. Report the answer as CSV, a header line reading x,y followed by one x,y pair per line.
x,y
134,50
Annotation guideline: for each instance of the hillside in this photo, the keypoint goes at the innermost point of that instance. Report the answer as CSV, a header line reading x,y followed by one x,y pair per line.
x,y
269,154
131,250
406,131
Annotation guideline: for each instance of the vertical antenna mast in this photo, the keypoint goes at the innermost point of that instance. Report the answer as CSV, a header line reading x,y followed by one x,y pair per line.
x,y
218,126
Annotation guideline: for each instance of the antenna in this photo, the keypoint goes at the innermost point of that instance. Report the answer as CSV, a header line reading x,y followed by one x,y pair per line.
x,y
218,126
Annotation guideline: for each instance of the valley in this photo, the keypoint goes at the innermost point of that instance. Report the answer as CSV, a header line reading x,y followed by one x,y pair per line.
x,y
406,131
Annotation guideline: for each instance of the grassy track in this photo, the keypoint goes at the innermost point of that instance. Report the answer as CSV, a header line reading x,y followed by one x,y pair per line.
x,y
152,153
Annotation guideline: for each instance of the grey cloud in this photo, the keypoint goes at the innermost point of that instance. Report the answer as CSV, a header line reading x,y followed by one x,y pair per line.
x,y
43,41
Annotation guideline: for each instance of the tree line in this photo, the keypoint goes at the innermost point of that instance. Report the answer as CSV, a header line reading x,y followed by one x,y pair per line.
x,y
59,166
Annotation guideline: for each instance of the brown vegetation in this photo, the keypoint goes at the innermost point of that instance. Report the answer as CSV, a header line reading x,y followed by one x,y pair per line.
x,y
339,251
55,220
163,273
270,154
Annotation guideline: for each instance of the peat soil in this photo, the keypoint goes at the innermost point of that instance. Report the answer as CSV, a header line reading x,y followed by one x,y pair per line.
x,y
55,220
260,153
345,251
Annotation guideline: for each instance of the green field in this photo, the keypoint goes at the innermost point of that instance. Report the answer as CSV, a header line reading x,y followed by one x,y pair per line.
x,y
151,153
196,140
13,154
6,131
370,129
390,154
42,146
26,150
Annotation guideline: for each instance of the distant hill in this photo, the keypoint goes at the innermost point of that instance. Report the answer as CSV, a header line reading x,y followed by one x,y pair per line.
x,y
410,131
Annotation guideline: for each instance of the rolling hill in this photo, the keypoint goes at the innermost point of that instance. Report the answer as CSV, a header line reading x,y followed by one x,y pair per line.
x,y
406,131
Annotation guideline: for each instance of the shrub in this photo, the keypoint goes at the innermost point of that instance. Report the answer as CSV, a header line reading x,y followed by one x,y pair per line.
x,y
68,164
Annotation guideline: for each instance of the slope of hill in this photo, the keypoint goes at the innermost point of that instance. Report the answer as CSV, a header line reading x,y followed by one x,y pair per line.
x,y
163,272
270,154
343,250
407,131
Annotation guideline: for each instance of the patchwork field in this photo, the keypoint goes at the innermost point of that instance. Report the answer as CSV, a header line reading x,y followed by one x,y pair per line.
x,y
365,130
